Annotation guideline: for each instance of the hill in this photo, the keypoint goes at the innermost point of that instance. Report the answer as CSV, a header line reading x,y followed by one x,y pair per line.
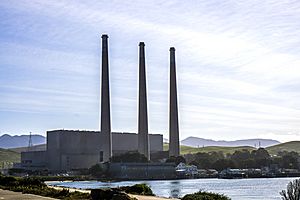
x,y
287,146
200,142
8,141
40,147
7,155
225,150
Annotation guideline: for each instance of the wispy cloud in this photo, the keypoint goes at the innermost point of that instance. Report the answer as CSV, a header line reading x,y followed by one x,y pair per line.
x,y
237,64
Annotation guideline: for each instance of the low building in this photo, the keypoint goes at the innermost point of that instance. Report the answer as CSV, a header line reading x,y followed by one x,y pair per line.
x,y
142,170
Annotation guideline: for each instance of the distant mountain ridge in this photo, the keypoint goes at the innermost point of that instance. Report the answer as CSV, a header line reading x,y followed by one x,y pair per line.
x,y
200,142
8,141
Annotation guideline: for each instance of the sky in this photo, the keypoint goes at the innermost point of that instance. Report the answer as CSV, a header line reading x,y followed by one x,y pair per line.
x,y
238,66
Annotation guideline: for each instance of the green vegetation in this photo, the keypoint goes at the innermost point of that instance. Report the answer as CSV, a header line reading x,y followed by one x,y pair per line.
x,y
287,146
35,186
243,159
121,193
133,156
38,187
192,150
109,194
39,147
205,196
292,192
7,155
176,160
273,150
139,189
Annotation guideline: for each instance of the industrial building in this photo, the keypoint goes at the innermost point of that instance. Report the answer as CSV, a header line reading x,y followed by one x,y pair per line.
x,y
71,150
74,149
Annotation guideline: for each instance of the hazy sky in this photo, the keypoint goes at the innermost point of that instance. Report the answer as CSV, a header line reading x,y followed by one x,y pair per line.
x,y
238,65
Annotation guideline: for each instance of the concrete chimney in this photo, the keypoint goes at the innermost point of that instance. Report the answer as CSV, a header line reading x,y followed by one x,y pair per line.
x,y
173,118
105,101
143,140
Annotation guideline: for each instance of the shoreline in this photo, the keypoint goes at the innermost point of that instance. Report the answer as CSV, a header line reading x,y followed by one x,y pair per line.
x,y
138,197
8,194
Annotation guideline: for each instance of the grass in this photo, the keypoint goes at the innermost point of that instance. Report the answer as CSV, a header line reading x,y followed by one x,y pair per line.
x,y
7,155
287,146
225,150
10,156
39,147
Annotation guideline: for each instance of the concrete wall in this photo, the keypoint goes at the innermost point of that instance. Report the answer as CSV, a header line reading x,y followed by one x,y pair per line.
x,y
123,142
68,149
33,159
142,170
74,149
156,142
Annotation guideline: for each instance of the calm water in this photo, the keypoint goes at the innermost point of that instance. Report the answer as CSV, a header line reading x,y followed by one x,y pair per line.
x,y
236,189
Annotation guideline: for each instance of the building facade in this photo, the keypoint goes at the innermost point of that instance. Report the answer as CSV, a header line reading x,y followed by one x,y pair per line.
x,y
71,150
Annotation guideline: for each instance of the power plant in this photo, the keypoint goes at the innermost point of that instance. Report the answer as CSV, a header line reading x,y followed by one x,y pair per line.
x,y
74,149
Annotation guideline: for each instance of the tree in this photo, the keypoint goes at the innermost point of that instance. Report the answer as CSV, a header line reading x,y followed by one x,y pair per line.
x,y
203,160
201,195
241,158
176,159
290,160
261,158
223,164
130,157
292,192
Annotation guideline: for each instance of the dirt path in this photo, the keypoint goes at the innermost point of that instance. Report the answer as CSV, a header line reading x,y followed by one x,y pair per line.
x,y
10,195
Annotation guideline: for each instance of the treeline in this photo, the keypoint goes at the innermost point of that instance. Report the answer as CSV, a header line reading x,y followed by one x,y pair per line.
x,y
243,159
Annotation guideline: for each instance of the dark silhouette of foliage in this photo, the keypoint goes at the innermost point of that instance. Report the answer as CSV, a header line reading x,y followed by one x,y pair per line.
x,y
120,193
130,157
205,196
292,192
290,160
36,186
176,160
243,159
140,189
223,164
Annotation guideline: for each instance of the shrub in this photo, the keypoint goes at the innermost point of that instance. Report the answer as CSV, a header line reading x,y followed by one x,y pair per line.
x,y
292,192
7,180
109,194
205,196
36,186
31,182
130,157
140,189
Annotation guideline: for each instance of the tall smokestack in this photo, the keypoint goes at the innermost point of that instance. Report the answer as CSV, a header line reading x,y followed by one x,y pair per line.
x,y
143,141
173,120
105,102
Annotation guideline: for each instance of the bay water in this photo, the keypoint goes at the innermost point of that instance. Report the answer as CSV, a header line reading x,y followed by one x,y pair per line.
x,y
236,189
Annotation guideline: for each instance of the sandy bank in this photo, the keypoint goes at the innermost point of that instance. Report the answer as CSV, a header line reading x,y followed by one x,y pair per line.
x,y
138,197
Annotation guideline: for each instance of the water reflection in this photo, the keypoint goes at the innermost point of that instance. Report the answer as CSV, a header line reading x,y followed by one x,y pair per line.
x,y
236,189
174,189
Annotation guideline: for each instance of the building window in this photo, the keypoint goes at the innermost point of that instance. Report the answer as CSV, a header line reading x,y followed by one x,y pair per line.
x,y
101,156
